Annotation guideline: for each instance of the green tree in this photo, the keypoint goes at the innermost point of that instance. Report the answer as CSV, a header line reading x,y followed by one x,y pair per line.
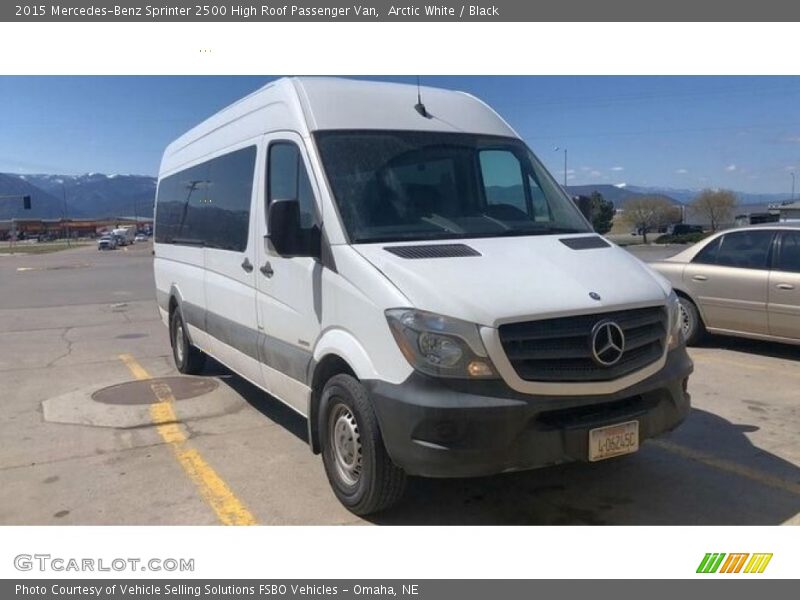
x,y
602,213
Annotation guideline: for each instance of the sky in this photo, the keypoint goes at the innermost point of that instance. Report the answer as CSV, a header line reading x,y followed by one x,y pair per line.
x,y
741,133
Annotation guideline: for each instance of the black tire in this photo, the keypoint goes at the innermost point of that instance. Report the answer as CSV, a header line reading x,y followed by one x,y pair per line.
x,y
189,360
374,482
692,323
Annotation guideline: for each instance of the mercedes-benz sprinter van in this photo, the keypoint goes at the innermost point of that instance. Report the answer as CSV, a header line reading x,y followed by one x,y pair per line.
x,y
400,269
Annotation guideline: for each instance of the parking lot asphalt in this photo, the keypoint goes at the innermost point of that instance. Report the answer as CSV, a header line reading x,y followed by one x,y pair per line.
x,y
78,321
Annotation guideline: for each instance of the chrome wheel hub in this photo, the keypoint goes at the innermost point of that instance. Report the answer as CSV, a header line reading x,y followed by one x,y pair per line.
x,y
345,443
686,321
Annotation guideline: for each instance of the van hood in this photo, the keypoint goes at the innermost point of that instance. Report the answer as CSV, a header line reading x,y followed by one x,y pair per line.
x,y
519,278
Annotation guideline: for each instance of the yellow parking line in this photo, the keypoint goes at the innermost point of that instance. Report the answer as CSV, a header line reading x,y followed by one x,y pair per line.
x,y
728,466
213,489
134,367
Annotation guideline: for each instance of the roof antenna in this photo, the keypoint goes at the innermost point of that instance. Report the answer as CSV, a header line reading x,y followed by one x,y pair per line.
x,y
419,106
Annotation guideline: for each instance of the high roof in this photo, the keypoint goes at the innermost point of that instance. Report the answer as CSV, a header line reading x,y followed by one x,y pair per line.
x,y
306,104
331,103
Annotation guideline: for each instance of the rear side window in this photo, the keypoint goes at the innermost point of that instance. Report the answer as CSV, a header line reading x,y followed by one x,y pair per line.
x,y
789,258
708,255
208,204
744,249
287,178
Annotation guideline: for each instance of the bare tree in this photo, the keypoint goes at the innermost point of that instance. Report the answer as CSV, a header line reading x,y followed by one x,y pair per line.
x,y
714,206
649,212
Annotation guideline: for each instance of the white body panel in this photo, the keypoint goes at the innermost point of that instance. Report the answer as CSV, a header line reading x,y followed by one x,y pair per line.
x,y
520,279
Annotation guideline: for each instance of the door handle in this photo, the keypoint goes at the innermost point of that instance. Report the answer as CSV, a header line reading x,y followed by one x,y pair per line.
x,y
247,265
266,270
700,278
785,286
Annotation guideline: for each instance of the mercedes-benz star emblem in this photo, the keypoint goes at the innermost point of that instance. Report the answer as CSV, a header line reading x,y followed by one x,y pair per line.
x,y
608,343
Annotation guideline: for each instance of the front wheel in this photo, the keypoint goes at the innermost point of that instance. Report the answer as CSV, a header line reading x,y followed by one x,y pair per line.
x,y
363,477
691,323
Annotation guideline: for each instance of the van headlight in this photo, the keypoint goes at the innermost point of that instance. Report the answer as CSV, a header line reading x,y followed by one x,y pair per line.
x,y
440,346
675,337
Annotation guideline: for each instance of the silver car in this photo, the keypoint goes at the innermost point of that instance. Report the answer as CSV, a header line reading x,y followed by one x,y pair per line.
x,y
743,282
106,242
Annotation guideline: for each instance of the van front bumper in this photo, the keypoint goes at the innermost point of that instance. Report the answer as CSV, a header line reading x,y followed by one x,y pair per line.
x,y
454,428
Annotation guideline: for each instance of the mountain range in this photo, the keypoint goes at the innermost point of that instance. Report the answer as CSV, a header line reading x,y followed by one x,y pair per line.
x,y
92,195
96,195
621,194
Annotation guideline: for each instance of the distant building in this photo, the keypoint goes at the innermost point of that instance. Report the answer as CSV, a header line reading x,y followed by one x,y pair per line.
x,y
755,218
72,227
790,212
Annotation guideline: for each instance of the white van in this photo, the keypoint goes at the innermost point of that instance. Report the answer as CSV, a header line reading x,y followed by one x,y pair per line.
x,y
403,271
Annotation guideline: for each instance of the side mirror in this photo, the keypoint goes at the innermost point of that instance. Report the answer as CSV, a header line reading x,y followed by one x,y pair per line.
x,y
584,204
285,234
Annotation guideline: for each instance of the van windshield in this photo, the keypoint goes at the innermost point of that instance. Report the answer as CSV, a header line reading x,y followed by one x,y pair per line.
x,y
393,186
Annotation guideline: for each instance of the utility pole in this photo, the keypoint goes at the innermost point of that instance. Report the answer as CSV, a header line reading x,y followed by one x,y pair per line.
x,y
793,177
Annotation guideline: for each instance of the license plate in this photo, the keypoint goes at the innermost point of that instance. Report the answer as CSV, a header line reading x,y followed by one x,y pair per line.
x,y
613,440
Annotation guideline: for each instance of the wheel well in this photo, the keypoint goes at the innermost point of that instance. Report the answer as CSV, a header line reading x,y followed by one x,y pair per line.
x,y
682,294
329,366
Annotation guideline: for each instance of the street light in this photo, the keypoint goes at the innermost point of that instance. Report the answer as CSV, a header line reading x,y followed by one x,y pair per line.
x,y
556,149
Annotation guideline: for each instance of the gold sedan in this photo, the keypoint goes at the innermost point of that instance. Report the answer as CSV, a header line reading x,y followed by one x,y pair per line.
x,y
742,282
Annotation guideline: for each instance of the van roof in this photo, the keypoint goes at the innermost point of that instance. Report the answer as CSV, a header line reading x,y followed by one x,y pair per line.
x,y
307,104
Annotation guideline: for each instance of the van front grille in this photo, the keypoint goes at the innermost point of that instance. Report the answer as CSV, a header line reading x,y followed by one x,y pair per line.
x,y
562,349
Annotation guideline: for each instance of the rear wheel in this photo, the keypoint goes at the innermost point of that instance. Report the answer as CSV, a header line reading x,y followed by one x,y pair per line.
x,y
189,360
691,322
363,477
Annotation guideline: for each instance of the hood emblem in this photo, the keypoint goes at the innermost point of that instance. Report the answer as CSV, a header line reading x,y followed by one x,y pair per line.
x,y
607,343
594,296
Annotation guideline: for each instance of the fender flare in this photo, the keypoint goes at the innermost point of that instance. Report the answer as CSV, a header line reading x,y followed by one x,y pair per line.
x,y
336,351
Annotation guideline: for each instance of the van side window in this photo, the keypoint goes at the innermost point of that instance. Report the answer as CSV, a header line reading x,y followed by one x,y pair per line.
x,y
208,204
180,198
226,218
287,178
510,193
503,184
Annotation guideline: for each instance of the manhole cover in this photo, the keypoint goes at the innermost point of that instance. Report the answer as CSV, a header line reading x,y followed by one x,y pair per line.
x,y
131,336
141,392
